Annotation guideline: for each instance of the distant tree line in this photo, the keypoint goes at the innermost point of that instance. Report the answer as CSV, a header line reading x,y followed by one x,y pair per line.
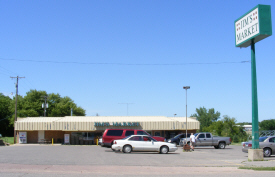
x,y
209,122
31,106
267,124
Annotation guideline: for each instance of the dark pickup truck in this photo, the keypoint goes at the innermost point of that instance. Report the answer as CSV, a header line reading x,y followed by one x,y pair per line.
x,y
206,139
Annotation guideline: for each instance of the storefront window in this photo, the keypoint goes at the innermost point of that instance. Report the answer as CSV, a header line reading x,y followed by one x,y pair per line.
x,y
157,133
84,135
88,136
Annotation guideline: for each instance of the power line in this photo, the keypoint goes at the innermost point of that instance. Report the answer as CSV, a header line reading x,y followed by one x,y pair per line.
x,y
127,64
8,70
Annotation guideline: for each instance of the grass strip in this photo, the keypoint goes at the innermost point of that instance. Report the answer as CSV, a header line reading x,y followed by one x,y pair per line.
x,y
9,140
236,144
258,168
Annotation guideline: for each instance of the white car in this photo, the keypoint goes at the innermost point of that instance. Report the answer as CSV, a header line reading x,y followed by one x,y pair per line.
x,y
143,143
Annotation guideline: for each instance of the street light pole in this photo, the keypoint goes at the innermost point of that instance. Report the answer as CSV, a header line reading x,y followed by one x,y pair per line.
x,y
186,87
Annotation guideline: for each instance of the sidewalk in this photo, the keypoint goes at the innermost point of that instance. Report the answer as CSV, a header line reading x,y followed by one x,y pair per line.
x,y
265,163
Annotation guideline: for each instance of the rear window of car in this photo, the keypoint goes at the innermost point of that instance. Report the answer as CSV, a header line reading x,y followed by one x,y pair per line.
x,y
135,138
114,132
272,140
129,132
262,139
208,135
141,133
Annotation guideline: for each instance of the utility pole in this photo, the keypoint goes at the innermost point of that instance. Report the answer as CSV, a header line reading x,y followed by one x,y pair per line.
x,y
15,113
44,104
127,106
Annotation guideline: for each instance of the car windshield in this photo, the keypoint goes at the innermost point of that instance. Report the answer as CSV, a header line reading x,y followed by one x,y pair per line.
x,y
177,136
262,139
195,134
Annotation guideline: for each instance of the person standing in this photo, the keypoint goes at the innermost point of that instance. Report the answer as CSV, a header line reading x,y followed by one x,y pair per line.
x,y
192,141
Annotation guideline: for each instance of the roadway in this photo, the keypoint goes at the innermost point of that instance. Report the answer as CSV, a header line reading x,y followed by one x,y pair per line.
x,y
60,160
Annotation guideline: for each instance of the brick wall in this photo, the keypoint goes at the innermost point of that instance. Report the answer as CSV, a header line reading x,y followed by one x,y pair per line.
x,y
58,136
32,136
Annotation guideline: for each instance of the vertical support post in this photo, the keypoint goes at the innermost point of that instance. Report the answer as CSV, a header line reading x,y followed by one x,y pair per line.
x,y
186,117
186,87
15,112
255,123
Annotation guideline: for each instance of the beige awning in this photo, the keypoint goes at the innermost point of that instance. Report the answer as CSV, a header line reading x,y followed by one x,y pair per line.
x,y
93,123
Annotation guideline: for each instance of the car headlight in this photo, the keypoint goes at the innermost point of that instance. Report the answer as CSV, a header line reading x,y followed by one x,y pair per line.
x,y
169,141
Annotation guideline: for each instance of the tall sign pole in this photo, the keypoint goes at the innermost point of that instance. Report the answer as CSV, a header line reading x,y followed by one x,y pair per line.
x,y
255,124
250,28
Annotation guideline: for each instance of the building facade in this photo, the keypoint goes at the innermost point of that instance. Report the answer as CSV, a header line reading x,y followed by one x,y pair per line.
x,y
86,129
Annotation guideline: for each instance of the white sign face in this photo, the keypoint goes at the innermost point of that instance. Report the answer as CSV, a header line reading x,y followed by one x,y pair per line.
x,y
22,137
247,27
66,138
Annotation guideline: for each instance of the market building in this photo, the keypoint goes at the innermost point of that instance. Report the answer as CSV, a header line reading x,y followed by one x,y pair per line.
x,y
85,129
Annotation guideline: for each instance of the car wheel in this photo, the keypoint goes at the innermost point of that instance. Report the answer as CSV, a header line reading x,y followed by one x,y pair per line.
x,y
222,145
164,150
127,149
267,152
216,147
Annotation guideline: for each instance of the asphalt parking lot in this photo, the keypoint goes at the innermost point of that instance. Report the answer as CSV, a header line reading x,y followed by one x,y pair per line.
x,y
48,160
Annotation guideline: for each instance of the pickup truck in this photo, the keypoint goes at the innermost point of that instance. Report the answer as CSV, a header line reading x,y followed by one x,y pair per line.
x,y
206,139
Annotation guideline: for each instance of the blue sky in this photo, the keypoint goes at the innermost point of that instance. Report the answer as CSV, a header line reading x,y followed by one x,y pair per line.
x,y
102,53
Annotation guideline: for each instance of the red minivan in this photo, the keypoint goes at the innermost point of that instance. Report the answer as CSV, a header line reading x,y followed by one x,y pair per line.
x,y
110,135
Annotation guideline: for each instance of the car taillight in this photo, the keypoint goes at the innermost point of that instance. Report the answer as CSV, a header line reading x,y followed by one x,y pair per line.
x,y
249,145
115,142
230,139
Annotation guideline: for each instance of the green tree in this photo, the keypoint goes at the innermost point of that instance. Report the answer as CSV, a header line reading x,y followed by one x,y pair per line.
x,y
6,129
267,124
31,105
227,127
60,107
206,118
215,128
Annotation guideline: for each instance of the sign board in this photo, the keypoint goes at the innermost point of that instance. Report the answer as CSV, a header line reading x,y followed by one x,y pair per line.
x,y
66,138
116,124
255,24
22,137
